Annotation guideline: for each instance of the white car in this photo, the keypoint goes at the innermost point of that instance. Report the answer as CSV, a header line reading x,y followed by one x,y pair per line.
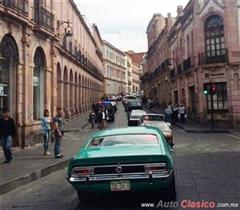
x,y
135,116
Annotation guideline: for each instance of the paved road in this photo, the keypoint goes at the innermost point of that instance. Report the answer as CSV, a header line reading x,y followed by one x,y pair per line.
x,y
207,169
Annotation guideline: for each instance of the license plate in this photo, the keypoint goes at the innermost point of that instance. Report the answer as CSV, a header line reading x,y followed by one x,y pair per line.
x,y
120,185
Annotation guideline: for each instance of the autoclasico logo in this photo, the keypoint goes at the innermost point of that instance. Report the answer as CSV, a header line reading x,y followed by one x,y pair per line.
x,y
186,204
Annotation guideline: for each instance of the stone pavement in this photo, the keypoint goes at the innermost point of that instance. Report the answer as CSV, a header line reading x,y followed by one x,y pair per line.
x,y
193,127
30,164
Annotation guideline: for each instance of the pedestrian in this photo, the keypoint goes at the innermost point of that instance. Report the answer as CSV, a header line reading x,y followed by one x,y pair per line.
x,y
58,132
92,117
175,112
93,105
99,118
168,114
182,112
104,118
47,124
7,133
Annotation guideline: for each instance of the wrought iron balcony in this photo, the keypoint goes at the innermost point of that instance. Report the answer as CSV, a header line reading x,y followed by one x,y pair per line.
x,y
187,64
172,73
19,6
204,58
44,18
179,68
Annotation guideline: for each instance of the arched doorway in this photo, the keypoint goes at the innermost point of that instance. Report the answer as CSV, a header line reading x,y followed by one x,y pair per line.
x,y
8,74
38,84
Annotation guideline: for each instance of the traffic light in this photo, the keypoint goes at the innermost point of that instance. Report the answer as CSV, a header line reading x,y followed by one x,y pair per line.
x,y
205,89
205,92
213,90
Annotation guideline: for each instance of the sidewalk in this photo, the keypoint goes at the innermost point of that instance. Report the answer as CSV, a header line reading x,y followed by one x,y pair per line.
x,y
30,164
193,127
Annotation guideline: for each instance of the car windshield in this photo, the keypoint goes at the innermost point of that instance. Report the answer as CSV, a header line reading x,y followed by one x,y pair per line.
x,y
136,116
134,103
154,117
123,140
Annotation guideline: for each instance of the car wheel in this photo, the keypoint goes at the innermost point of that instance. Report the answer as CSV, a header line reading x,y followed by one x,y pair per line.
x,y
86,197
170,192
129,124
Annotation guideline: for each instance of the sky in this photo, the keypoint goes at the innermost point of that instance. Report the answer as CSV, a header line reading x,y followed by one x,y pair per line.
x,y
123,23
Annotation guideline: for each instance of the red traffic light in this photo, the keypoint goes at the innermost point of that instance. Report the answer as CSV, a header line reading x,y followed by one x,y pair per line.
x,y
213,90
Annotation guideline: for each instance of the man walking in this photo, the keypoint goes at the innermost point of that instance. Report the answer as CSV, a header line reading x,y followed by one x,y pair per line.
x,y
58,132
7,133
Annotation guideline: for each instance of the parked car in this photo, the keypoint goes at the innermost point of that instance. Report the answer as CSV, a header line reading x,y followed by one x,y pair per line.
x,y
131,159
165,127
135,116
108,106
128,98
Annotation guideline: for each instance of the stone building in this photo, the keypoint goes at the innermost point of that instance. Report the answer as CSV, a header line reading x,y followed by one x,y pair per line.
x,y
204,47
114,69
49,59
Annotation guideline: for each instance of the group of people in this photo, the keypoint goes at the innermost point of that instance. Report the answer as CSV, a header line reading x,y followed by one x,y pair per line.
x,y
175,112
49,126
100,115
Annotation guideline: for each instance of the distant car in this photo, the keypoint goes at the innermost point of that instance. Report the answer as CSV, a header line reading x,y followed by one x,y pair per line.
x,y
131,105
108,106
128,98
131,159
113,101
135,116
165,127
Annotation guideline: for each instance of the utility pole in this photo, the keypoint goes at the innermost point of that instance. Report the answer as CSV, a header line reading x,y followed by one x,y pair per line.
x,y
211,94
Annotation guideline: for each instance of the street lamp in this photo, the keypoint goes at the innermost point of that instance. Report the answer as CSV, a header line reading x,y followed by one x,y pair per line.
x,y
68,29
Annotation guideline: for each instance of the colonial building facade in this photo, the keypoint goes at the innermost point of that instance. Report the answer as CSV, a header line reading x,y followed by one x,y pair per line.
x,y
204,45
114,69
49,59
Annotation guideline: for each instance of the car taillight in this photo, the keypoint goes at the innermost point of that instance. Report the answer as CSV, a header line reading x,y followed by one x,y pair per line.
x,y
76,172
155,168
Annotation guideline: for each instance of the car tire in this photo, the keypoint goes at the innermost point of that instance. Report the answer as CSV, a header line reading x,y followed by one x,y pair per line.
x,y
170,192
87,198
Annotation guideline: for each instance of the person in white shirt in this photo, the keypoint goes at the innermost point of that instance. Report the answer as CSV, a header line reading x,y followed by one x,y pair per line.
x,y
182,112
104,119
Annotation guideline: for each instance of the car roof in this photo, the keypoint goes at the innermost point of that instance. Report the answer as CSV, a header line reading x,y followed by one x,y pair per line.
x,y
128,130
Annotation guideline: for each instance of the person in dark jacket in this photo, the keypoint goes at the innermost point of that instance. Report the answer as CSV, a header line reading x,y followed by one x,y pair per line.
x,y
7,133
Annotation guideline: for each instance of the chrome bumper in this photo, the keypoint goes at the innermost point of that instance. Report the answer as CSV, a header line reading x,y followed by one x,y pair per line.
x,y
140,176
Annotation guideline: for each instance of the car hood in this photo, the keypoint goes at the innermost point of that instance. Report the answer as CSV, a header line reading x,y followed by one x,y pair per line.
x,y
122,154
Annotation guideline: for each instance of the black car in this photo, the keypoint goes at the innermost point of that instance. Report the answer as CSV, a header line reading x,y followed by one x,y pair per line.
x,y
131,105
108,106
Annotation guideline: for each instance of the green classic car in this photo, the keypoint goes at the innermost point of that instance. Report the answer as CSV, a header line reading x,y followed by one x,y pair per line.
x,y
131,159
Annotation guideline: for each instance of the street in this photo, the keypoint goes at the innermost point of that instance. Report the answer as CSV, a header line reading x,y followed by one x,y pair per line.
x,y
207,170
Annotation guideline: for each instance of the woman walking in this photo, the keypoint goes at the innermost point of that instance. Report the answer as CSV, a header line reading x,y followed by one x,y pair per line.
x,y
47,124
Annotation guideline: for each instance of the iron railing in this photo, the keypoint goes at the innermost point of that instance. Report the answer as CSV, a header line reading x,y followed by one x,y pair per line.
x,y
179,68
20,6
204,58
44,18
187,64
172,73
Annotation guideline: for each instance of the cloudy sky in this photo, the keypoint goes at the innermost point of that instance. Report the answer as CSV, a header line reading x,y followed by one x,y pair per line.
x,y
123,23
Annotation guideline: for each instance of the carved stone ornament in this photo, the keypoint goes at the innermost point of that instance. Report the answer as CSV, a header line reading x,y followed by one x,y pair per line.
x,y
54,51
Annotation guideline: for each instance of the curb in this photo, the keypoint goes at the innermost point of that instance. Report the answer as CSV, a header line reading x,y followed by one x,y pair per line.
x,y
34,176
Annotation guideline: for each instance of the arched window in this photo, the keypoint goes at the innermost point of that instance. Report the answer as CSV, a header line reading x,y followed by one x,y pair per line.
x,y
214,40
38,84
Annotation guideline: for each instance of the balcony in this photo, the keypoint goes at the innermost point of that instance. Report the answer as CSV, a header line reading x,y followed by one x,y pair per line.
x,y
129,73
204,58
172,73
187,64
20,7
44,18
179,68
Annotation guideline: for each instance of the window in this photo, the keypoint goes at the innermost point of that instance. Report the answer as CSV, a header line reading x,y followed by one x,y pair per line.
x,y
220,101
214,40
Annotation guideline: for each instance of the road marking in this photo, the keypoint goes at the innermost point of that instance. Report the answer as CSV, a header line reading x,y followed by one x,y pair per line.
x,y
233,136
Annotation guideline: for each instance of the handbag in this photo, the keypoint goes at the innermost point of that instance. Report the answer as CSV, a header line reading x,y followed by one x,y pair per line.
x,y
185,116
